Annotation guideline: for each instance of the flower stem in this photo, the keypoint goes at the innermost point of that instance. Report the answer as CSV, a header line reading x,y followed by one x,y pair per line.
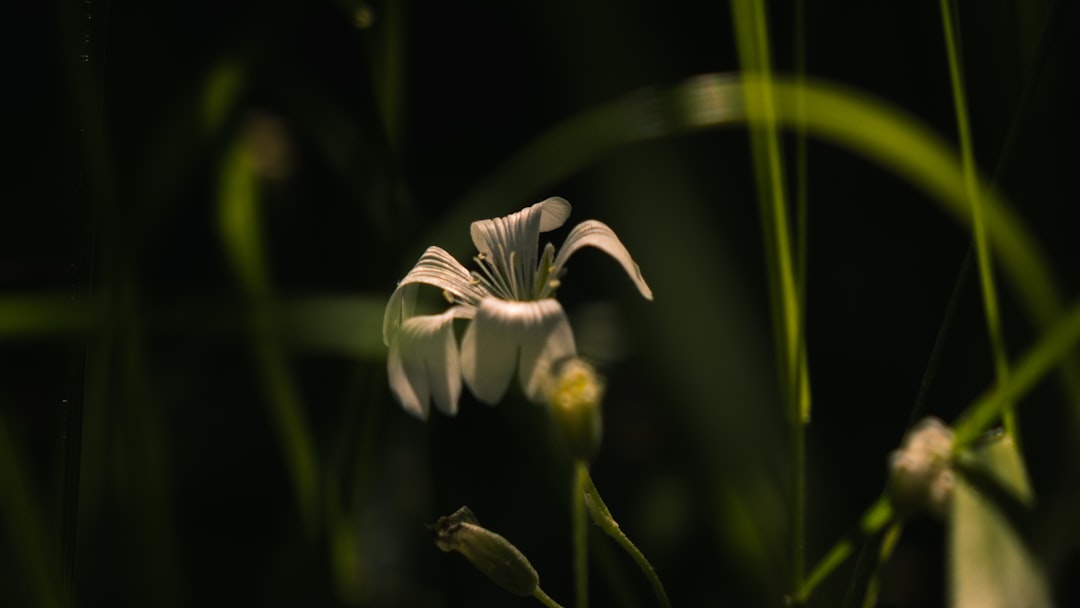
x,y
581,532
602,517
978,221
876,517
545,599
873,586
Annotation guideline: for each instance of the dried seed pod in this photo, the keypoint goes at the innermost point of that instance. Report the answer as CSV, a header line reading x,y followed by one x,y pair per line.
x,y
489,552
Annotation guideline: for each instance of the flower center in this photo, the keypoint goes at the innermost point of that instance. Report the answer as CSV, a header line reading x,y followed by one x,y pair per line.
x,y
505,276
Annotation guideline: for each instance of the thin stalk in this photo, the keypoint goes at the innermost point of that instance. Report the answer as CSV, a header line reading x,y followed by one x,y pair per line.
x,y
888,544
873,521
581,532
752,37
1056,345
545,599
978,222
602,517
802,221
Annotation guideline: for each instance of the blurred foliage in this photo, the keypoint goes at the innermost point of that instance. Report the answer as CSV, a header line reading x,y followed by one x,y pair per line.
x,y
208,204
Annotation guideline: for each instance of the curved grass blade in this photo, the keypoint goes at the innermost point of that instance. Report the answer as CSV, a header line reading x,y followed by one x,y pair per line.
x,y
241,232
855,120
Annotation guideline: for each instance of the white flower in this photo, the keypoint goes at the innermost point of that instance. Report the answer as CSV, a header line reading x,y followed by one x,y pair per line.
x,y
515,320
921,475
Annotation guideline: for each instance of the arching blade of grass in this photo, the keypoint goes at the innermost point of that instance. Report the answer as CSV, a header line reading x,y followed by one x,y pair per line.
x,y
241,233
855,120
978,223
752,40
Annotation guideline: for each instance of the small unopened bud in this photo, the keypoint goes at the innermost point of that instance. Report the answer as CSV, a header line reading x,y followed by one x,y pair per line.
x,y
490,553
921,476
575,394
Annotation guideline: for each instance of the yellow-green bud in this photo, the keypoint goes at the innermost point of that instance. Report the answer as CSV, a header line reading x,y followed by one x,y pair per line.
x,y
574,394
921,477
490,553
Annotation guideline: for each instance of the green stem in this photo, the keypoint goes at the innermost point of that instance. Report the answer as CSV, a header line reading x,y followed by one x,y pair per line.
x,y
978,221
876,517
545,599
581,532
602,517
20,510
752,42
1057,343
892,536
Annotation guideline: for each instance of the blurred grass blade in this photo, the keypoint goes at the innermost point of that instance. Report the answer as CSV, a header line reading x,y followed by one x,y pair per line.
x,y
885,551
24,526
752,39
990,565
879,515
348,325
43,315
978,224
239,219
239,223
1057,343
751,33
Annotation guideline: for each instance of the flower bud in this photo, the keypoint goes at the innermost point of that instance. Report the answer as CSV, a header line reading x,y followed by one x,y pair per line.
x,y
490,553
921,476
574,394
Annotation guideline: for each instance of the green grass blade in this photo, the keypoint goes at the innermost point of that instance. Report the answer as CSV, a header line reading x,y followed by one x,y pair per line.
x,y
239,223
873,521
1056,344
752,40
26,529
978,223
43,315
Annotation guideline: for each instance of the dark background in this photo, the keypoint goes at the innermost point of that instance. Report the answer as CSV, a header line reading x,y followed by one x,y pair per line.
x,y
144,442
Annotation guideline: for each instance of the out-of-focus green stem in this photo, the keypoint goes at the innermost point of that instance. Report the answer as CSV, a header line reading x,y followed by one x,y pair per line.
x,y
873,587
1058,341
602,517
581,533
19,509
876,517
752,38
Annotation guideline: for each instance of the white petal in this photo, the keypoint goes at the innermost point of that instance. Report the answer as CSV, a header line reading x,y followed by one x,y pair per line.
x,y
437,268
414,399
552,340
555,212
489,349
518,232
592,233
424,364
444,372
504,333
